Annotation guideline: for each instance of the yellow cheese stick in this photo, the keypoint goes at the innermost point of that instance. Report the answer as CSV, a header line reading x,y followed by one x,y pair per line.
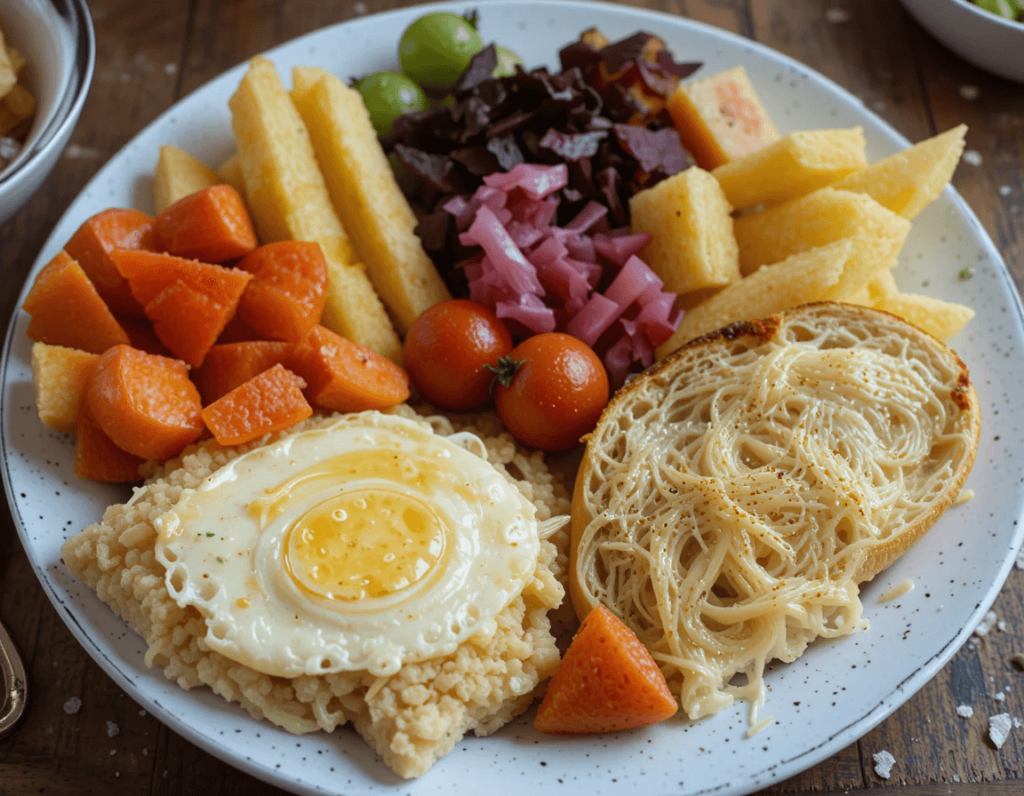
x,y
366,194
288,200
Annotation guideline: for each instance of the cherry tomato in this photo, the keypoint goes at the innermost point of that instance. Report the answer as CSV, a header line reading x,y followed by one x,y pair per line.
x,y
448,348
551,391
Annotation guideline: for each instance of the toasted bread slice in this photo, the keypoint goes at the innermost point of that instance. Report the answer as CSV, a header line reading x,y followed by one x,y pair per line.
x,y
731,498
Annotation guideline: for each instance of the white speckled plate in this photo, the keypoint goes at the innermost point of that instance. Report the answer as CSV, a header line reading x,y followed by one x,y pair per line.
x,y
832,696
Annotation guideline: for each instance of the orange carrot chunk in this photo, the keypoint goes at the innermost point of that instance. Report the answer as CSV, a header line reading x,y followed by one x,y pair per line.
x,y
346,377
188,321
66,309
268,402
149,272
229,365
97,457
289,287
92,244
146,404
211,225
606,682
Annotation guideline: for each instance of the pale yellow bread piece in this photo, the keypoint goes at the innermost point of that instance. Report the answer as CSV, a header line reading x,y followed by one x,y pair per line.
x,y
288,200
796,164
230,171
364,190
60,376
910,180
818,218
941,319
732,497
692,246
411,718
813,275
178,174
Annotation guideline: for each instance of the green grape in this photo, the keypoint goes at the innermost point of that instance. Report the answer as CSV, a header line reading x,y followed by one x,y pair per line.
x,y
1003,8
436,48
388,95
507,60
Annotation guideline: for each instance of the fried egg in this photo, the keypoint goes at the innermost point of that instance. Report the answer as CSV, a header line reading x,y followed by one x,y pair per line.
x,y
363,545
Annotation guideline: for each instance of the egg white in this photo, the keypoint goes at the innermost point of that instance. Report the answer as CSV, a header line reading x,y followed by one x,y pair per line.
x,y
228,551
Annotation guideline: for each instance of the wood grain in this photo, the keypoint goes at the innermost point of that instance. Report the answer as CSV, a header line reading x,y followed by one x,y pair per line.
x,y
151,54
52,750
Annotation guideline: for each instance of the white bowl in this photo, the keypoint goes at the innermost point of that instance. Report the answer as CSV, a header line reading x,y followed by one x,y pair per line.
x,y
986,40
56,38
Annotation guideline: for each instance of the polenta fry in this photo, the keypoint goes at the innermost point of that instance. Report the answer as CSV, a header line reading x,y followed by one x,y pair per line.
x,y
366,194
910,180
177,175
814,220
809,276
941,319
288,200
287,194
688,218
795,165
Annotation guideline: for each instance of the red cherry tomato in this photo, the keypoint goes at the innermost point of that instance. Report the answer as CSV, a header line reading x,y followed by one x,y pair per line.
x,y
551,391
448,348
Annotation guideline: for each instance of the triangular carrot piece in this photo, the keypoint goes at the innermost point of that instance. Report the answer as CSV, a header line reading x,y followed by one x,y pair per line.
x,y
289,287
229,365
606,682
268,402
66,309
188,321
150,272
343,376
93,242
211,225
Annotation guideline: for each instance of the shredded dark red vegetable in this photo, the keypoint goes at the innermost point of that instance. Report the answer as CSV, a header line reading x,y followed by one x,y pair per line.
x,y
603,116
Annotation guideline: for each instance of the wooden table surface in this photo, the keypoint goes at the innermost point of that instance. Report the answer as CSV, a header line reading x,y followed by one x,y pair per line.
x,y
152,53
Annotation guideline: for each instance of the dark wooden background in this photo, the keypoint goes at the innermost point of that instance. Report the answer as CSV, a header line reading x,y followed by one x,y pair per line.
x,y
152,53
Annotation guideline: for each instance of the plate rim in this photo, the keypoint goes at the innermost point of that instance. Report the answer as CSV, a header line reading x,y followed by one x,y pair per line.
x,y
780,770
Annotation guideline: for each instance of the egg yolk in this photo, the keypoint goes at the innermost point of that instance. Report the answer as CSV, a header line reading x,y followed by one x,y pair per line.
x,y
364,544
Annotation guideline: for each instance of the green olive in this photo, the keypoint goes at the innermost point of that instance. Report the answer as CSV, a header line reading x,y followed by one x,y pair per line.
x,y
436,48
507,61
388,95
